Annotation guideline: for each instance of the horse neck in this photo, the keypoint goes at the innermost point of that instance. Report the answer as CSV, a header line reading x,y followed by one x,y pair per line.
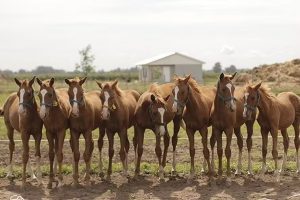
x,y
265,103
218,105
192,99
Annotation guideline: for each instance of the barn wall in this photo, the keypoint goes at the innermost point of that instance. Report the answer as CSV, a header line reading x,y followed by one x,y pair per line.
x,y
194,70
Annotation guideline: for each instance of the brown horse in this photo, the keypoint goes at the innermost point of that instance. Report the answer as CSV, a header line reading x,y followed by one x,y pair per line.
x,y
55,111
223,118
20,113
198,101
85,117
118,113
153,112
275,113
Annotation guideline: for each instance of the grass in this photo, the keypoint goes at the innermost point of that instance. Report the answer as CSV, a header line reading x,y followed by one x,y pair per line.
x,y
149,168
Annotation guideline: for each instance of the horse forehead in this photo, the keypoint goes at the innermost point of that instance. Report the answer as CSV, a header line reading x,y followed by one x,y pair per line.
x,y
75,90
43,92
161,111
176,89
106,95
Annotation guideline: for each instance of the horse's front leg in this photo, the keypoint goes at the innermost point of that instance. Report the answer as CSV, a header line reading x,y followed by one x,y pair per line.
x,y
51,158
139,137
176,122
204,133
25,140
74,141
166,146
228,132
249,126
190,133
159,154
59,155
37,140
100,146
274,133
111,152
123,152
89,147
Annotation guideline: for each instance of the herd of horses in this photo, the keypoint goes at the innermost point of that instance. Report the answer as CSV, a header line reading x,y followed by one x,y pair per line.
x,y
111,110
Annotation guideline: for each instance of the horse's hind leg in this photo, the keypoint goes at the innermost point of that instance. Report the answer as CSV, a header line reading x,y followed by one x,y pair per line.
x,y
286,146
59,154
204,133
51,157
166,146
37,139
274,133
74,142
249,145
122,152
264,135
176,122
297,142
228,133
111,152
139,135
10,135
213,141
89,147
25,141
100,146
191,134
239,137
159,154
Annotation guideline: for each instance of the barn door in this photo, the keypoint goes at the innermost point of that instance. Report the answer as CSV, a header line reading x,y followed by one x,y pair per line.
x,y
167,73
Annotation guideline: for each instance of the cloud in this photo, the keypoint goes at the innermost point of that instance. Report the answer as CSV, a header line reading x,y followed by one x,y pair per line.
x,y
227,50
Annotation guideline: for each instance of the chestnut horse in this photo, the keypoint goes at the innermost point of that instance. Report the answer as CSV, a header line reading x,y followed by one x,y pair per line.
x,y
275,113
20,113
223,118
198,101
153,112
55,111
85,117
118,115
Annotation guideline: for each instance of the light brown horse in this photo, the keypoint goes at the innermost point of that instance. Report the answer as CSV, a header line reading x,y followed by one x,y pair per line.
x,y
118,113
85,117
198,102
275,113
153,112
223,118
20,113
55,111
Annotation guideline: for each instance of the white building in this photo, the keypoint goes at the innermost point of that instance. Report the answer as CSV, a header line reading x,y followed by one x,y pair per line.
x,y
169,64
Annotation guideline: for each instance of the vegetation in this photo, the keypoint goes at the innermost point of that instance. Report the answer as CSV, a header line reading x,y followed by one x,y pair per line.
x,y
86,65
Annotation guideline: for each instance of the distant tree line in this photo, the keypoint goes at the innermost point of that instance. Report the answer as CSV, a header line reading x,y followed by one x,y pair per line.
x,y
217,68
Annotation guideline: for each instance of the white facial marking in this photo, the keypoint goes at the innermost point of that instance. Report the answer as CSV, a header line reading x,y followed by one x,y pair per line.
x,y
229,86
162,129
245,108
21,107
175,98
75,109
43,107
105,108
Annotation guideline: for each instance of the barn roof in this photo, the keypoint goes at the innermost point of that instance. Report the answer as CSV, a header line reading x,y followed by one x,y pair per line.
x,y
172,58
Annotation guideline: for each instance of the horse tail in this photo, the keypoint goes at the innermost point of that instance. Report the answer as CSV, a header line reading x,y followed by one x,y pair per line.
x,y
182,124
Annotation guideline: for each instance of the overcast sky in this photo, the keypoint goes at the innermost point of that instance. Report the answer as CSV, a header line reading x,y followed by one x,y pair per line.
x,y
124,32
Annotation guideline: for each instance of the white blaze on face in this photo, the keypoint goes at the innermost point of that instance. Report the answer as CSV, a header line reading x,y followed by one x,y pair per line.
x,y
75,109
162,129
105,108
245,108
43,107
232,104
175,99
21,107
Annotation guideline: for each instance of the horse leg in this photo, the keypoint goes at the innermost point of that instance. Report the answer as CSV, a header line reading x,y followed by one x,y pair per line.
x,y
274,133
213,141
176,122
204,133
239,137
140,143
191,133
59,155
286,146
158,155
228,133
134,141
37,139
76,154
89,147
264,135
51,157
127,146
100,146
25,140
218,134
111,152
166,146
249,126
297,143
10,135
122,152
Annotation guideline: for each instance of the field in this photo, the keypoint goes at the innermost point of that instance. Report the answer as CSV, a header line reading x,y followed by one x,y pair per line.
x,y
148,186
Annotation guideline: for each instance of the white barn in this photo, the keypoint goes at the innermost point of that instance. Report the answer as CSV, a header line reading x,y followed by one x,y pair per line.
x,y
163,67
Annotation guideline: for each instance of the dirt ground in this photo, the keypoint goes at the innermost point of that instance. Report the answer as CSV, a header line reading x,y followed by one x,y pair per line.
x,y
147,186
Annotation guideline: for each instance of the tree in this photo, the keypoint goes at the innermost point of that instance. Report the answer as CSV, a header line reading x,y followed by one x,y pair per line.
x,y
231,69
217,68
86,65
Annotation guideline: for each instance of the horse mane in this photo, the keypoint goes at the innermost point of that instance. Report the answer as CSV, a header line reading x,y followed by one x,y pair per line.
x,y
154,88
194,85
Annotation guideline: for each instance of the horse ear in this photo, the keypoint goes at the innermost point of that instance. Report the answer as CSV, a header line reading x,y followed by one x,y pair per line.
x,y
31,81
39,81
187,79
167,98
67,81
153,98
257,86
99,84
221,76
115,83
82,81
51,82
232,77
17,82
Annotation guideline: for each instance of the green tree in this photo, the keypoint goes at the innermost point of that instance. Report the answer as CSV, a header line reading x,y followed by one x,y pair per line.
x,y
217,68
231,69
86,65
